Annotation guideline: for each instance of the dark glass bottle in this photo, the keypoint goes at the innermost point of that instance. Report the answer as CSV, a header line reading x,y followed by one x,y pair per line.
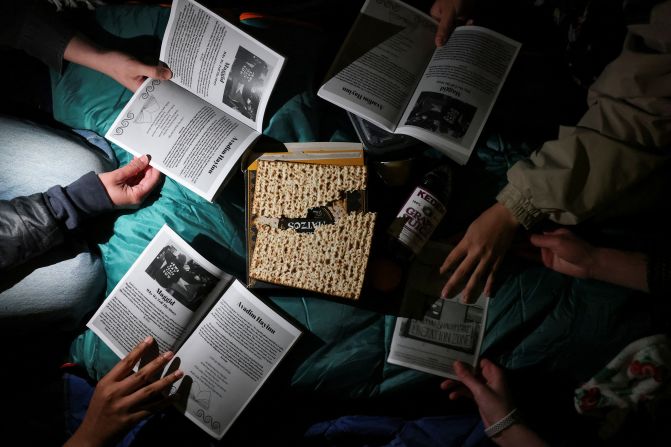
x,y
412,228
421,214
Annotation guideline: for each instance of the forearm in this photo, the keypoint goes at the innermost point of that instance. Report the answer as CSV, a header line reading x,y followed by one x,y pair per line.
x,y
32,225
27,228
623,268
80,50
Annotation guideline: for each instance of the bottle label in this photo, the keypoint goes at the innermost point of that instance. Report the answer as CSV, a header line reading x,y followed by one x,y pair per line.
x,y
421,215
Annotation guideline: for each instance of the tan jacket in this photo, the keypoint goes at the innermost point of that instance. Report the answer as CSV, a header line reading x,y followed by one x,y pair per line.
x,y
617,158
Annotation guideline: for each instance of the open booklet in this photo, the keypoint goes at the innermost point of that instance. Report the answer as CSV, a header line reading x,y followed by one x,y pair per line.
x,y
225,339
438,331
197,125
390,73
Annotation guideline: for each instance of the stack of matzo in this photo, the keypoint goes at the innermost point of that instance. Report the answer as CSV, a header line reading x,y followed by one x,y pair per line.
x,y
289,189
333,259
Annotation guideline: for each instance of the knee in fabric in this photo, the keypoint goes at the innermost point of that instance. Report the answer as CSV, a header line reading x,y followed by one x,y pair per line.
x,y
53,295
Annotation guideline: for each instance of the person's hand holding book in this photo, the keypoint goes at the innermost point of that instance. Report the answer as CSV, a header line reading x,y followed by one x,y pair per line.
x,y
490,392
123,397
122,67
129,185
447,12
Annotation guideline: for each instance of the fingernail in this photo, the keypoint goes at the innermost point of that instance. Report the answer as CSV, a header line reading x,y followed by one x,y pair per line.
x,y
144,159
168,355
147,340
178,373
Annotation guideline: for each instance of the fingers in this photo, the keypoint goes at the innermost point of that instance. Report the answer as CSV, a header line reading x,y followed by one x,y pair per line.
x,y
446,12
133,169
472,289
456,389
456,280
544,240
547,256
145,396
149,180
122,369
445,27
551,239
147,374
456,255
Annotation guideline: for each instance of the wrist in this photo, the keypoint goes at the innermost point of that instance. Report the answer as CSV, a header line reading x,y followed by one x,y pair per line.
x,y
506,216
497,427
511,435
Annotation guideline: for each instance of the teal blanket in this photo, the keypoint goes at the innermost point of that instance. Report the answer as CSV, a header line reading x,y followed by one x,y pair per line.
x,y
537,316
347,351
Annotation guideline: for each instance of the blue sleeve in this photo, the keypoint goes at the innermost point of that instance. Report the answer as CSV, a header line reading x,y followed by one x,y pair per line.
x,y
86,197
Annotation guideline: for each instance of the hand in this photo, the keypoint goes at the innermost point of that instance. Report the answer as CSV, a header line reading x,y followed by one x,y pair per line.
x,y
565,253
129,185
121,67
479,254
130,72
491,395
446,12
122,398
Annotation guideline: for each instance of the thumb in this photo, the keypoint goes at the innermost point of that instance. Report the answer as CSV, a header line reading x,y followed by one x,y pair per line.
x,y
466,377
156,72
544,240
492,373
445,25
133,168
161,72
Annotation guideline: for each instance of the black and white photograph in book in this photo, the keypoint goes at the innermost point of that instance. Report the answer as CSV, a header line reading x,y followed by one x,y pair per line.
x,y
442,114
245,83
183,278
447,323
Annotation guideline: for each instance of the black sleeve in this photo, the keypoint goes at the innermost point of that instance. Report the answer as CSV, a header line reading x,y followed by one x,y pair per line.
x,y
27,229
35,28
32,225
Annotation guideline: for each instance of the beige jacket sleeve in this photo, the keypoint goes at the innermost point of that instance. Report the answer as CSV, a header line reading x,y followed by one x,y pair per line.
x,y
617,158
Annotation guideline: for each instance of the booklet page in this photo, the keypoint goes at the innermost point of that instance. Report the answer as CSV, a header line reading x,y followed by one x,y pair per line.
x,y
157,296
229,356
458,89
213,59
438,331
381,61
188,139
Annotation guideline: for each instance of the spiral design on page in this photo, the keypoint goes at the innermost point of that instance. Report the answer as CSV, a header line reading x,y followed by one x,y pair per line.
x,y
150,88
124,123
208,419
